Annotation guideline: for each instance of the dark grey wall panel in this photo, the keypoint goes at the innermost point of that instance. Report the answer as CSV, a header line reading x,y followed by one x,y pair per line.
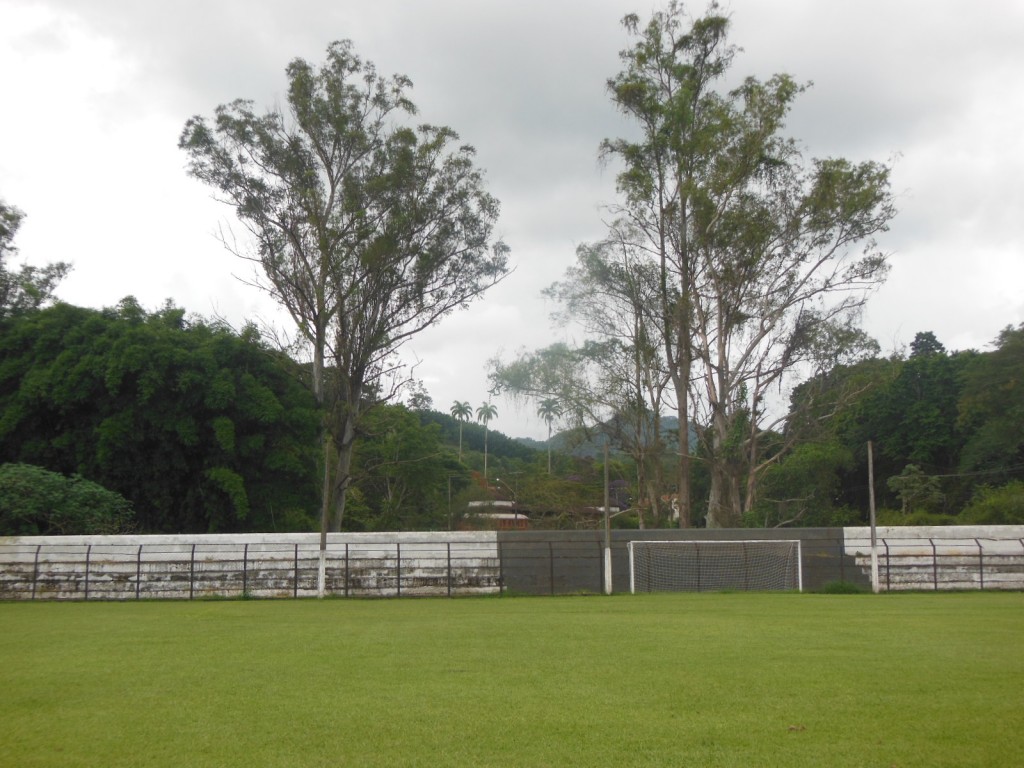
x,y
568,562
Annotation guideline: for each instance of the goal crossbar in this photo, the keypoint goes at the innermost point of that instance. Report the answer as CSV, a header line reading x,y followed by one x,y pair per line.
x,y
703,566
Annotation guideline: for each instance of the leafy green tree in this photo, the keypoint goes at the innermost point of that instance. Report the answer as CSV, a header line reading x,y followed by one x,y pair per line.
x,y
366,231
765,258
663,87
925,343
916,490
996,506
484,414
419,398
200,429
29,287
911,416
37,502
462,412
400,472
990,409
803,488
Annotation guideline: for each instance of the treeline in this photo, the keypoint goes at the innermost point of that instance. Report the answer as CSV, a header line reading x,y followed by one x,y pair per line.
x,y
947,436
127,420
121,420
199,428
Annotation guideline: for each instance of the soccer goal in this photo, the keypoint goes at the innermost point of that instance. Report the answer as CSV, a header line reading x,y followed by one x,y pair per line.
x,y
707,566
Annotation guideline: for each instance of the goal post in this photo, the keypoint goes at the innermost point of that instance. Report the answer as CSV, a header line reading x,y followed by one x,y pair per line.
x,y
709,566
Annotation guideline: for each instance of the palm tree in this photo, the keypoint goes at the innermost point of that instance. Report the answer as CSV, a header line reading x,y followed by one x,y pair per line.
x,y
461,412
549,410
484,414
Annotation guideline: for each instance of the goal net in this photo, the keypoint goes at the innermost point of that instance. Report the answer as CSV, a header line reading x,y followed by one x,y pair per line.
x,y
707,566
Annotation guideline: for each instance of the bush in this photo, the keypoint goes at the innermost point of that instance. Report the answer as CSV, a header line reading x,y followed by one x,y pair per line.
x,y
35,501
996,506
895,517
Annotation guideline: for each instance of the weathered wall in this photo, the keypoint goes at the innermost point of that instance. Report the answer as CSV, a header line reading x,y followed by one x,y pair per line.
x,y
460,563
256,565
942,557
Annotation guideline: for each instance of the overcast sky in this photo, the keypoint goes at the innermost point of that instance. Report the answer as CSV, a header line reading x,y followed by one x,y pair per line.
x,y
95,93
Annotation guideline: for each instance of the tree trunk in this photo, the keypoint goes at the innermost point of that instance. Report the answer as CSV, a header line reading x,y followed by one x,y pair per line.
x,y
683,487
343,472
682,377
724,503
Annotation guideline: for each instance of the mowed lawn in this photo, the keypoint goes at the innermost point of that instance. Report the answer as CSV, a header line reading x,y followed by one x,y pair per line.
x,y
674,680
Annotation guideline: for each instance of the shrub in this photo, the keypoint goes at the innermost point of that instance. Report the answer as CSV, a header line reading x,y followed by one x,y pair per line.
x,y
35,501
920,517
996,506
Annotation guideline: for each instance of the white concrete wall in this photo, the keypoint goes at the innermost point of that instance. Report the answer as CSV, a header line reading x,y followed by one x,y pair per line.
x,y
942,557
258,565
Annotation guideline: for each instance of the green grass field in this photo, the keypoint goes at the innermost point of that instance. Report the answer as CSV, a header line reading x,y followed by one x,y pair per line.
x,y
674,680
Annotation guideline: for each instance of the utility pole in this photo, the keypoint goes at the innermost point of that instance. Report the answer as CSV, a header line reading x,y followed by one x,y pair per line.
x,y
871,507
607,529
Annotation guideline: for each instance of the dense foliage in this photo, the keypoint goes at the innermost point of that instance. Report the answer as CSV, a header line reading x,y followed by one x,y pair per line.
x,y
947,431
35,501
199,428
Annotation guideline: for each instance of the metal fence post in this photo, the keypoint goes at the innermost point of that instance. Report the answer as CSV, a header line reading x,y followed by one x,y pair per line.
x,y
88,556
746,568
935,564
888,567
981,565
696,549
295,590
192,574
449,546
35,571
501,566
398,567
245,570
551,566
138,573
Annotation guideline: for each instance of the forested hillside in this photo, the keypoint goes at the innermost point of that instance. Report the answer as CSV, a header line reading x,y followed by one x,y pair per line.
x,y
946,428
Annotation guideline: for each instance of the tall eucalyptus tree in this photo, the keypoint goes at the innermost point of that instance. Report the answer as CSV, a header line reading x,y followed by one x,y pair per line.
x,y
765,258
364,229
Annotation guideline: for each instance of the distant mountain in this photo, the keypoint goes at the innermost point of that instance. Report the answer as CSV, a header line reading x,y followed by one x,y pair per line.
x,y
575,442
498,443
